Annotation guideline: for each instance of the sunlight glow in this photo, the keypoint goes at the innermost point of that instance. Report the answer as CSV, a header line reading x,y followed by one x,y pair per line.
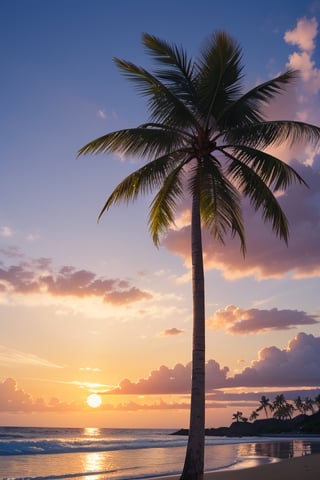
x,y
94,400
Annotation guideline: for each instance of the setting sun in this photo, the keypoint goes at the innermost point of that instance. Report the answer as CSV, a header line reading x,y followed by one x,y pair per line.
x,y
94,400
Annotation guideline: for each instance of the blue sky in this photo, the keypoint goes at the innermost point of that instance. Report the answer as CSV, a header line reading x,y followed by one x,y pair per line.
x,y
61,89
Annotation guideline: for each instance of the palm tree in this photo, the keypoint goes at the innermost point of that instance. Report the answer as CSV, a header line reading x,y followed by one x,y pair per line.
x,y
205,139
279,401
281,408
253,416
264,405
299,404
309,405
237,416
284,412
317,401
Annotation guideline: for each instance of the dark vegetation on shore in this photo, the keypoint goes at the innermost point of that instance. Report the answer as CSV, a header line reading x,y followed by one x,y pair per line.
x,y
282,422
301,424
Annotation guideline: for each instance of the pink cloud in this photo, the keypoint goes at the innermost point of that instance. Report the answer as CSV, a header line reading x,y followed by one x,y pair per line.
x,y
304,34
297,365
17,400
38,276
291,368
267,256
242,322
174,380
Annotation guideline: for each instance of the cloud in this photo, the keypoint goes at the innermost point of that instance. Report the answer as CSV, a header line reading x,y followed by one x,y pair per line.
x,y
267,256
242,322
15,399
6,232
38,277
90,369
10,356
176,380
294,369
102,114
297,365
171,332
304,34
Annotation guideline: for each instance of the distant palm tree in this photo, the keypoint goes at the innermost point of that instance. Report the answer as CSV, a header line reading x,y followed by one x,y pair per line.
x,y
317,401
279,401
299,404
284,411
253,416
237,416
309,405
206,139
264,405
282,408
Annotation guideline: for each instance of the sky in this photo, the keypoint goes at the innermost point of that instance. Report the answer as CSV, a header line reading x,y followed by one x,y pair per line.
x,y
94,307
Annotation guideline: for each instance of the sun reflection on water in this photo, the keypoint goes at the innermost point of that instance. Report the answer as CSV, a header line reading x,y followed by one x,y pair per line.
x,y
94,465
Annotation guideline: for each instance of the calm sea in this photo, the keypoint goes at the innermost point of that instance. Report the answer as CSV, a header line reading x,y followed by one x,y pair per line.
x,y
122,454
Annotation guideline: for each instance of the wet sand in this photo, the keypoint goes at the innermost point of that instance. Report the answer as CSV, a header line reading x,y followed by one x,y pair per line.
x,y
300,468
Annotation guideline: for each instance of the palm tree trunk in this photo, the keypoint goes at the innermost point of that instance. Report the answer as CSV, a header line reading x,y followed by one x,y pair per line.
x,y
194,462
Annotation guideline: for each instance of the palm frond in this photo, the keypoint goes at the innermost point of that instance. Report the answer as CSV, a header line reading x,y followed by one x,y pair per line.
x,y
219,79
265,134
219,201
275,173
179,71
142,141
162,209
141,182
164,105
247,109
260,196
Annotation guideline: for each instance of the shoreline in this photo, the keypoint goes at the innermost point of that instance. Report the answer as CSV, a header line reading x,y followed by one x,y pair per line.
x,y
306,467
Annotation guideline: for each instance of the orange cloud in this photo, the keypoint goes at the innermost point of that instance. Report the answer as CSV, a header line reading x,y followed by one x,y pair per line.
x,y
15,399
171,332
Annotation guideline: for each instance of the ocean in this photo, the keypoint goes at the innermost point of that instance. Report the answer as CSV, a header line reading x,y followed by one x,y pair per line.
x,y
28,453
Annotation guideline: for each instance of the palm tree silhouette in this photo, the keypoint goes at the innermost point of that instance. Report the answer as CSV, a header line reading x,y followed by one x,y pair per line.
x,y
237,416
253,416
299,404
264,405
317,401
206,140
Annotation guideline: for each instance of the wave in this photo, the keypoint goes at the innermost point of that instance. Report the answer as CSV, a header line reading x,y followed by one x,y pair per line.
x,y
38,447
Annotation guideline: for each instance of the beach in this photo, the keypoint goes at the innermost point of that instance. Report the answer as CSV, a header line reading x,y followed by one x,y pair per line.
x,y
300,468
37,453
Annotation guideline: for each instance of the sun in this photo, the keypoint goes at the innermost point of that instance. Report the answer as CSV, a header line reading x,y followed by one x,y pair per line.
x,y
94,400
